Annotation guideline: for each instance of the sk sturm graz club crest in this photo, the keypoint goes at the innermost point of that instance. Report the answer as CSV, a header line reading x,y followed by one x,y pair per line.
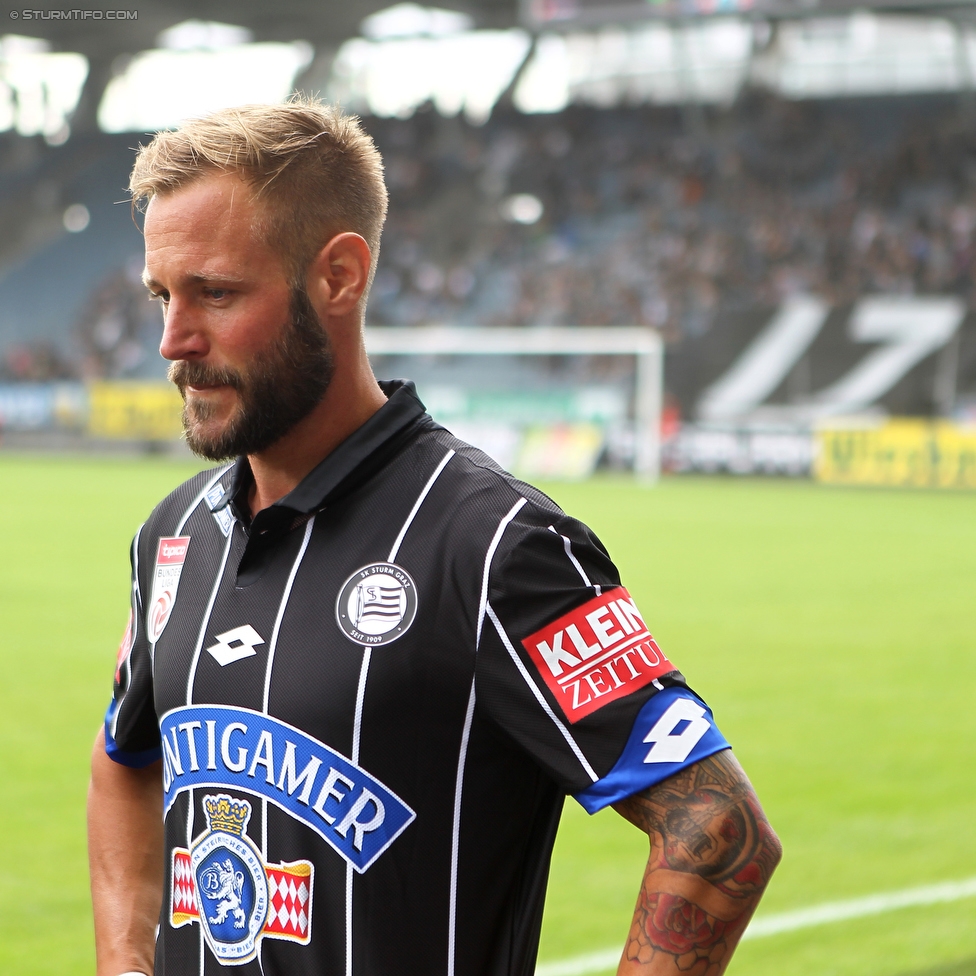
x,y
223,884
377,604
170,557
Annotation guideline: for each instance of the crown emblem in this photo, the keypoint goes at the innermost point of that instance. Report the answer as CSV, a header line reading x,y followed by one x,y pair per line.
x,y
226,814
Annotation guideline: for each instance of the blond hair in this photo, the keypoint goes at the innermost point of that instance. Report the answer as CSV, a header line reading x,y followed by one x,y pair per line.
x,y
313,169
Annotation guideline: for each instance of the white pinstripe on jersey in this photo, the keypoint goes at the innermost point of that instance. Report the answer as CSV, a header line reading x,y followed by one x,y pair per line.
x,y
540,698
568,549
218,474
269,666
196,654
463,754
361,689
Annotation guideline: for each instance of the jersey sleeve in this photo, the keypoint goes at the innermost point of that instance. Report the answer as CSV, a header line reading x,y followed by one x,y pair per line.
x,y
131,729
569,669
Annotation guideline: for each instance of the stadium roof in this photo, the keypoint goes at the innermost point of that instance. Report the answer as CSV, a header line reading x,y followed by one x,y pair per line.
x,y
327,23
331,23
105,43
113,75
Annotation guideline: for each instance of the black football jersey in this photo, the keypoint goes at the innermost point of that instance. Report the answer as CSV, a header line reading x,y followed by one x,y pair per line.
x,y
370,702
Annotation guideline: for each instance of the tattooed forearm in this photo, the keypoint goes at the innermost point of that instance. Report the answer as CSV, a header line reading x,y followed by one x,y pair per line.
x,y
712,853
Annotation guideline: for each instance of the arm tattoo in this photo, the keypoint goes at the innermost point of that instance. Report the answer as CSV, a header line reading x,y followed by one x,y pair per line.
x,y
712,853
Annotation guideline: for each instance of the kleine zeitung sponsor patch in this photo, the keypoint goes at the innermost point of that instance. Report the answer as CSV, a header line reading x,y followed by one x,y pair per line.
x,y
597,653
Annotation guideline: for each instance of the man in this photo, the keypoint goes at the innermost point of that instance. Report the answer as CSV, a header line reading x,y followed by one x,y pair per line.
x,y
364,665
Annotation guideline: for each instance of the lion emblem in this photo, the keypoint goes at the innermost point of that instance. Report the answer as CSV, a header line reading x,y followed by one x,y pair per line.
x,y
228,890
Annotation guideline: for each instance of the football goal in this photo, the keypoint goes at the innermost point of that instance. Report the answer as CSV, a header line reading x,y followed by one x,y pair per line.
x,y
543,401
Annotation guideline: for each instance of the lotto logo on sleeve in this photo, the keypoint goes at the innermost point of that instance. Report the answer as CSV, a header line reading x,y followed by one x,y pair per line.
x,y
597,653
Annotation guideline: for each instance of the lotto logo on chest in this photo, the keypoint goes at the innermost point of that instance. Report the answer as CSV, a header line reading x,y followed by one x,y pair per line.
x,y
170,557
597,653
223,884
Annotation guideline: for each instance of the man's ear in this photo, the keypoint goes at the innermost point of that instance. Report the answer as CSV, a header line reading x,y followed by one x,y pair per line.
x,y
338,275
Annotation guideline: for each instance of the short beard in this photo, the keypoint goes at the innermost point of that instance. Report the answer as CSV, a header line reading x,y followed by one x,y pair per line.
x,y
274,392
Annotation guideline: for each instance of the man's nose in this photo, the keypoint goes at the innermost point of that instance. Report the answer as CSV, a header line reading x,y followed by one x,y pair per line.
x,y
183,336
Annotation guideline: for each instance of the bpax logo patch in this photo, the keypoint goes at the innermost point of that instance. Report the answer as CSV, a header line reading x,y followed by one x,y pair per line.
x,y
170,557
596,653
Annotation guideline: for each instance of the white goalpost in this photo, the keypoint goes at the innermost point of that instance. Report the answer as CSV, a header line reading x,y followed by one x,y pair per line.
x,y
643,411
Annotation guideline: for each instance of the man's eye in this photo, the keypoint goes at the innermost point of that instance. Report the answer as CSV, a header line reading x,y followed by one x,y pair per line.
x,y
159,296
217,293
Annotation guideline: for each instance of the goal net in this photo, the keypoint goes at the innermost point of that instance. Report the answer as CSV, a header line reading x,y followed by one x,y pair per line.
x,y
545,402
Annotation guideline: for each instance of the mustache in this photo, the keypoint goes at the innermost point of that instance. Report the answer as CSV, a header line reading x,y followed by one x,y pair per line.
x,y
184,373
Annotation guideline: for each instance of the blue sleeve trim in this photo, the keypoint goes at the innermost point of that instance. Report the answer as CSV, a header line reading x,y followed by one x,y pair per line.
x,y
134,759
673,730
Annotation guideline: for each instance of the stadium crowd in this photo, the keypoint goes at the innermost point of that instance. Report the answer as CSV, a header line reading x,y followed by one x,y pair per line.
x,y
659,216
665,217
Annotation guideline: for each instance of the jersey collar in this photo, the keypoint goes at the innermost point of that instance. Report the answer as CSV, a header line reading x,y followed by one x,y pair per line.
x,y
402,409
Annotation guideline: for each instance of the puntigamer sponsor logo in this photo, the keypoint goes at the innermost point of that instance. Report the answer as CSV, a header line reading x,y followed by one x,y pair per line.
x,y
597,653
239,749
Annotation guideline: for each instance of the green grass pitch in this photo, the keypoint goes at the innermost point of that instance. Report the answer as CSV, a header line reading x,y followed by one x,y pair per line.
x,y
832,631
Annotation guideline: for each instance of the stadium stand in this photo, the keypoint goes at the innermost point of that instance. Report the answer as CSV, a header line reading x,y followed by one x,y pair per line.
x,y
698,223
700,232
50,286
645,221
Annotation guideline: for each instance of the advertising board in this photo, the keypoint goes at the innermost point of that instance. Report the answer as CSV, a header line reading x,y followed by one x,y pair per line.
x,y
132,410
906,452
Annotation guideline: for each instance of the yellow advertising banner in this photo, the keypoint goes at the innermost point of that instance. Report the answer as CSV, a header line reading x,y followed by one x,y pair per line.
x,y
902,452
563,451
134,410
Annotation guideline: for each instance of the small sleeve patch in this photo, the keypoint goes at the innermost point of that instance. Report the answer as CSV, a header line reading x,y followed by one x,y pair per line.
x,y
136,760
125,648
597,653
673,730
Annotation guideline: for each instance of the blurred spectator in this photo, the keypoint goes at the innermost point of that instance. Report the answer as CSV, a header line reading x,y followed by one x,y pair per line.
x,y
642,223
120,328
634,216
34,362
